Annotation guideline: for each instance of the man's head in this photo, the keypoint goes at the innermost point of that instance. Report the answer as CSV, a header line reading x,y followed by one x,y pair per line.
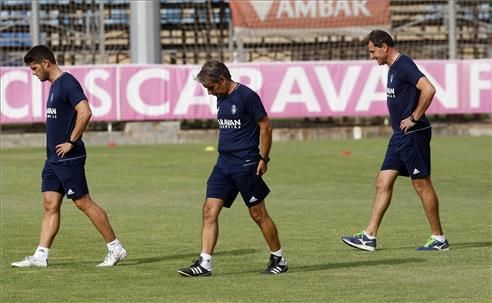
x,y
380,44
215,77
40,59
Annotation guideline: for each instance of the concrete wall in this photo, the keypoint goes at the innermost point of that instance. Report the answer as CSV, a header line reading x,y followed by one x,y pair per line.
x,y
170,132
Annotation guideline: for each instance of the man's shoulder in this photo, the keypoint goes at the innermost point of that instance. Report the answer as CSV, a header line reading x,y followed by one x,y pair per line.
x,y
68,78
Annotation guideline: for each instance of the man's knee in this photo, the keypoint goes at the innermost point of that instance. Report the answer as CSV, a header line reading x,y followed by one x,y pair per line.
x,y
52,201
84,203
422,184
211,210
258,213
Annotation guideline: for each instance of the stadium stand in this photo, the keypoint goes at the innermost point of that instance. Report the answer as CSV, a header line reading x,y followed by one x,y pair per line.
x,y
192,31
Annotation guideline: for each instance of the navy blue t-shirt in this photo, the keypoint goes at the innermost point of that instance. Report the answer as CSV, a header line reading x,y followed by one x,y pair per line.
x,y
402,93
65,94
239,133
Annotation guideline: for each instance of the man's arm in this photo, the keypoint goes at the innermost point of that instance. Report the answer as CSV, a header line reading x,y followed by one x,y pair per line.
x,y
265,144
84,114
427,92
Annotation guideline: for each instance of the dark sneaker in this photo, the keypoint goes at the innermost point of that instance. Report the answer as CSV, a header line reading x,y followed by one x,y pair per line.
x,y
360,241
274,267
433,244
195,270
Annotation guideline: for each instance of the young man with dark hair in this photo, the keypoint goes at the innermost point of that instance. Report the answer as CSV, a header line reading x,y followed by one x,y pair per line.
x,y
409,94
67,116
243,127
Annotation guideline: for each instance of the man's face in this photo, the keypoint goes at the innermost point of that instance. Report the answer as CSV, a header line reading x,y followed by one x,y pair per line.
x,y
216,88
40,70
380,54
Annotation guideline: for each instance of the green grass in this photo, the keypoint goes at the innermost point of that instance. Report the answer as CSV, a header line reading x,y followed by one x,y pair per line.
x,y
154,194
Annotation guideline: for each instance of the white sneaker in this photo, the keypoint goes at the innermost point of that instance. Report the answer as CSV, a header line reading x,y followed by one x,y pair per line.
x,y
113,257
31,261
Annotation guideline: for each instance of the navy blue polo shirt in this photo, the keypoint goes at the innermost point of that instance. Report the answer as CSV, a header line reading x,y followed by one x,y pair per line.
x,y
402,93
65,94
239,133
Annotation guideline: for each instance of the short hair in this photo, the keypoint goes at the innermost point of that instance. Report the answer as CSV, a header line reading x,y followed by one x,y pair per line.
x,y
213,71
38,53
379,37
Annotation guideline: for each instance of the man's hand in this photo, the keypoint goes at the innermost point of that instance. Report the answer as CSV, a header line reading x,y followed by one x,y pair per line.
x,y
62,149
406,124
262,168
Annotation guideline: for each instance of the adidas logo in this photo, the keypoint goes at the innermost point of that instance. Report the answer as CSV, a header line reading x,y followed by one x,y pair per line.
x,y
416,171
253,199
70,192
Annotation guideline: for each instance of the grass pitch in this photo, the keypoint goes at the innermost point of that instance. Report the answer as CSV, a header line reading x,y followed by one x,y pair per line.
x,y
321,190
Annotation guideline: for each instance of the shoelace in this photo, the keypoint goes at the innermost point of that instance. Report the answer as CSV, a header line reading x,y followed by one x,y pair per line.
x,y
430,242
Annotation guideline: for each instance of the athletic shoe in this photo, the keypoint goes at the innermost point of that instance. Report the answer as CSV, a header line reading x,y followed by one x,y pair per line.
x,y
31,261
195,270
360,241
113,257
274,267
433,244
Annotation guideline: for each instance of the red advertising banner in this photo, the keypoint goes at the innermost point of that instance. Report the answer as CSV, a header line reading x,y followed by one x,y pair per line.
x,y
309,14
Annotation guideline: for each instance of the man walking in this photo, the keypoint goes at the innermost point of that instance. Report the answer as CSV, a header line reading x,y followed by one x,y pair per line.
x,y
409,94
244,126
67,116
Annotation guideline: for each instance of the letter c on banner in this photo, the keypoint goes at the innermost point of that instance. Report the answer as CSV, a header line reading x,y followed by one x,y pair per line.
x,y
7,110
133,92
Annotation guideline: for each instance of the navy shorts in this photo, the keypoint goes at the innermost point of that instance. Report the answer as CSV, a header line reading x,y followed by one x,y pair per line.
x,y
66,177
225,183
410,154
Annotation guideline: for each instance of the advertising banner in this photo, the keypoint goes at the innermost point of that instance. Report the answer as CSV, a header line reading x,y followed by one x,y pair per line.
x,y
293,17
288,90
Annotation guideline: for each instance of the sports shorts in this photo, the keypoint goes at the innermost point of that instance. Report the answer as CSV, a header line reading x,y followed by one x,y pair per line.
x,y
226,182
66,177
409,154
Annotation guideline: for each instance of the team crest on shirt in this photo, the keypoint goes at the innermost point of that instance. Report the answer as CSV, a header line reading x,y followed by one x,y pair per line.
x,y
233,109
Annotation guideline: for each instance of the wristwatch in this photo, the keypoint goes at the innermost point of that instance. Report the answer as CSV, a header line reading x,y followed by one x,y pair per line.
x,y
267,159
71,142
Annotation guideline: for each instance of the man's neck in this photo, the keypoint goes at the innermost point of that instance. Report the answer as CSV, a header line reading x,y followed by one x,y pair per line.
x,y
393,56
55,74
232,87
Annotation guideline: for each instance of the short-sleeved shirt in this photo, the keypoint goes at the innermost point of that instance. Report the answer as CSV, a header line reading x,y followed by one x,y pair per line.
x,y
65,94
239,133
402,93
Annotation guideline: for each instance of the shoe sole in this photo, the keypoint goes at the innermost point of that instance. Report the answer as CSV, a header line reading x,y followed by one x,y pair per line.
x,y
182,273
21,266
361,247
272,273
444,249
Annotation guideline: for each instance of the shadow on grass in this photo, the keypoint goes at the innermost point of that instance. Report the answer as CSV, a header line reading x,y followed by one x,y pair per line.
x,y
452,246
135,261
465,245
327,266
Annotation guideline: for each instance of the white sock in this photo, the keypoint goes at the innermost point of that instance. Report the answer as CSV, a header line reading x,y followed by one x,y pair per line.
x,y
114,245
41,253
206,261
279,253
369,236
441,238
